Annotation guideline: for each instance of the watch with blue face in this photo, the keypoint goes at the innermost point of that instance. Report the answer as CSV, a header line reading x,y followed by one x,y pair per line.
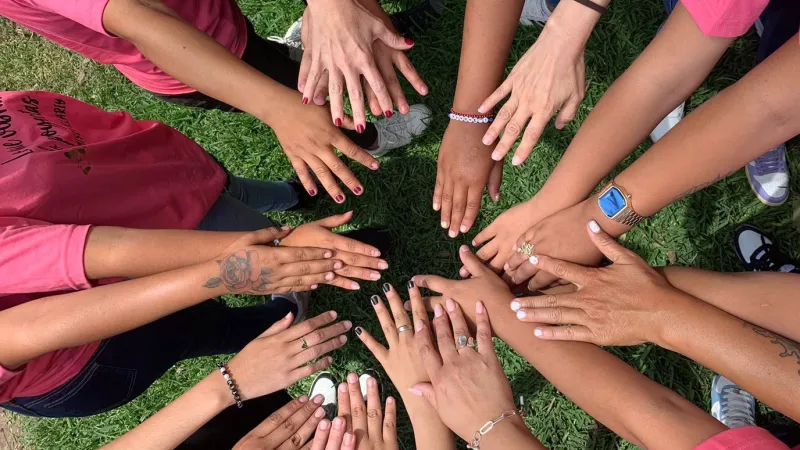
x,y
615,203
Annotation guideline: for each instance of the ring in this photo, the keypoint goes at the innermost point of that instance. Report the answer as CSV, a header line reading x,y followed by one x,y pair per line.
x,y
526,249
461,342
305,344
403,328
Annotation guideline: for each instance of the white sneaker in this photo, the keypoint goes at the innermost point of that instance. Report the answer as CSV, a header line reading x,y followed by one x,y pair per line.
x,y
768,175
731,404
668,123
325,386
293,40
535,11
399,130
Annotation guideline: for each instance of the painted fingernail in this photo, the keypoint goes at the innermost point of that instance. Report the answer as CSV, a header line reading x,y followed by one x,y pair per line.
x,y
437,310
383,265
357,190
312,192
387,114
319,413
409,41
451,305
324,425
348,325
339,198
452,233
479,308
348,438
374,276
374,300
411,284
314,286
538,332
327,255
338,265
302,399
515,160
534,260
521,314
371,382
374,166
407,305
495,155
506,267
359,330
352,378
338,122
338,423
416,392
359,128
318,399
387,287
444,224
329,276
305,100
342,388
515,305
594,227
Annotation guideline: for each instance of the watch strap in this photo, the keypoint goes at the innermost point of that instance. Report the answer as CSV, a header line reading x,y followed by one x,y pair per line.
x,y
629,217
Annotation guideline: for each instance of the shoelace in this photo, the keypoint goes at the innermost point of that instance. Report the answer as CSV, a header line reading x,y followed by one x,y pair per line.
x,y
771,162
768,258
737,407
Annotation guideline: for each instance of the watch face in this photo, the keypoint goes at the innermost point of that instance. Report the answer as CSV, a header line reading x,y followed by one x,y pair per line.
x,y
612,202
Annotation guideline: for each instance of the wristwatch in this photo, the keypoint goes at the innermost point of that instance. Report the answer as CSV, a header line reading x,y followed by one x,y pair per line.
x,y
615,202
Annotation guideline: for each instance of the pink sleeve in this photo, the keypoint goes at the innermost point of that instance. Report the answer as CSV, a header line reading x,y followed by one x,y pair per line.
x,y
744,438
88,13
6,374
725,18
36,256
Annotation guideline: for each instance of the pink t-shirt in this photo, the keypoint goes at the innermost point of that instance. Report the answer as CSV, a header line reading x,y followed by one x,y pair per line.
x,y
744,438
65,165
725,18
78,26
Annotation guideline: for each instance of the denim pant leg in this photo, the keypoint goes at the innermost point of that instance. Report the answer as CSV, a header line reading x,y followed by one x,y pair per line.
x,y
230,214
263,196
781,20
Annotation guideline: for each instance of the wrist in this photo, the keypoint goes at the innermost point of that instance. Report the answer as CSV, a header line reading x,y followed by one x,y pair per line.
x,y
509,433
573,23
216,390
678,308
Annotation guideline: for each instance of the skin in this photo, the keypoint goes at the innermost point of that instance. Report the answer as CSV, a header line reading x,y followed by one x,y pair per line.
x,y
465,163
368,427
274,354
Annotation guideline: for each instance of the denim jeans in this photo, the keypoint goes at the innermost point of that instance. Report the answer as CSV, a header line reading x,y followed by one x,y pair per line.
x,y
242,203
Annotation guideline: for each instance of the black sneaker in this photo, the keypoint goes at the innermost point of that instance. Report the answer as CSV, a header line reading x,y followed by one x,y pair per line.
x,y
326,385
758,252
419,18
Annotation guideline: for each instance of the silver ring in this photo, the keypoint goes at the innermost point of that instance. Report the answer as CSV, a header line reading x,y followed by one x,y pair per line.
x,y
403,328
305,344
464,341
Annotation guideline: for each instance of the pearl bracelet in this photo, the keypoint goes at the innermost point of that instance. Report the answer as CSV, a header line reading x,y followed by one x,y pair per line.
x,y
471,118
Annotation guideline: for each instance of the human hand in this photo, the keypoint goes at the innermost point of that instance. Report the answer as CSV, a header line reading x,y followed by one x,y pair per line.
x,y
468,386
370,428
560,235
622,304
290,427
251,265
462,175
277,358
549,78
360,260
308,138
339,40
387,58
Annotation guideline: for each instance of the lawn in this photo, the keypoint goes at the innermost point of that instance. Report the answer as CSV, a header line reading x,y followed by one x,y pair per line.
x,y
694,232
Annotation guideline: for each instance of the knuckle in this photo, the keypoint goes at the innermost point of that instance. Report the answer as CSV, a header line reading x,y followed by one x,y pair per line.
x,y
560,269
296,440
351,246
556,315
447,197
550,300
305,269
483,335
335,88
473,206
390,425
400,315
357,411
504,114
387,329
275,419
373,413
513,128
289,425
316,336
425,351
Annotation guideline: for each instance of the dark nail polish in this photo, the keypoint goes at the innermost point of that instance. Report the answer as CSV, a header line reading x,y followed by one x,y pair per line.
x,y
312,192
409,41
357,190
359,330
359,129
338,122
387,114
305,100
411,284
387,287
339,198
374,300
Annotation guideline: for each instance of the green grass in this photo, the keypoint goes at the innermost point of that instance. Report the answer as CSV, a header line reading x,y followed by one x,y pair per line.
x,y
694,232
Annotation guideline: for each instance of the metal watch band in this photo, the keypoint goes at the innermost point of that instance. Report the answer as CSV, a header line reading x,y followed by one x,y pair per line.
x,y
629,217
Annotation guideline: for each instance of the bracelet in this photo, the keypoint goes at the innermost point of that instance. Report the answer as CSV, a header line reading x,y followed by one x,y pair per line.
x,y
471,118
223,369
487,427
594,6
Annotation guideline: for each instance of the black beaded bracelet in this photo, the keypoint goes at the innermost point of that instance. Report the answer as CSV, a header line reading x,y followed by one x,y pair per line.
x,y
223,369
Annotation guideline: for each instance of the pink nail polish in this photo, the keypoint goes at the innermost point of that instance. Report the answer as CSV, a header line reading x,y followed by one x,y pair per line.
x,y
312,192
338,122
358,190
359,129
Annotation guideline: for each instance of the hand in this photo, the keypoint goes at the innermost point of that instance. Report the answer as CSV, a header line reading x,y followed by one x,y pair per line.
x,y
370,429
339,41
559,236
308,138
250,266
277,358
621,304
468,386
387,59
546,80
401,360
290,427
360,260
462,175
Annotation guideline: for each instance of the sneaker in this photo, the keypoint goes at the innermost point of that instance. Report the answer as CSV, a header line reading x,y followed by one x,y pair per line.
x,y
400,129
325,385
418,18
758,252
292,40
769,176
668,123
731,404
301,299
535,11
362,381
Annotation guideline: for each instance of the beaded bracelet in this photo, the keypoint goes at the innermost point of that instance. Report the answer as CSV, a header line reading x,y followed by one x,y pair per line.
x,y
471,118
223,369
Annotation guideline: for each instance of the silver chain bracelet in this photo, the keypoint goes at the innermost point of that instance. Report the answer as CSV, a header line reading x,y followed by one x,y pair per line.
x,y
487,427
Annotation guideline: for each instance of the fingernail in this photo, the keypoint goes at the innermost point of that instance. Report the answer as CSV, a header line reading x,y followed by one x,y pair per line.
x,y
506,267
312,192
338,122
348,325
348,438
343,339
390,401
387,114
452,233
359,128
374,166
594,227
374,299
418,325
324,425
435,206
464,249
444,224
354,286
437,310
319,413
496,198
328,254
521,314
411,284
416,392
334,314
377,253
495,155
359,330
357,190
374,276
342,388
314,286
338,422
305,100
515,160
407,305
451,305
409,41
339,198
337,266
352,378
515,305
538,332
480,109
479,309
302,399
534,260
387,287
318,399
463,228
383,265
329,277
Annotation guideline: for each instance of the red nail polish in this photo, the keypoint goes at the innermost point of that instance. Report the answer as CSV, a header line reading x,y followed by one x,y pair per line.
x,y
305,100
409,41
312,192
339,198
387,114
359,129
338,122
357,190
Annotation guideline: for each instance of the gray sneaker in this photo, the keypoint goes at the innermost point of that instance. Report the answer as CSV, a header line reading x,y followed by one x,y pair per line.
x,y
731,404
399,130
301,299
292,40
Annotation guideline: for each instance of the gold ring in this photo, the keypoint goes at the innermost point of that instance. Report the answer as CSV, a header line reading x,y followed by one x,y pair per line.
x,y
305,344
526,249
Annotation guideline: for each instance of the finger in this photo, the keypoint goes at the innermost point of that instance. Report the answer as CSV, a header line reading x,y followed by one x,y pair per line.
x,y
396,305
447,203
483,336
459,208
351,245
485,235
390,38
395,91
565,333
307,326
358,272
335,90
430,302
317,351
286,255
499,94
444,334
375,81
403,64
567,300
356,153
471,208
349,442
308,370
287,289
335,220
342,172
374,410
568,112
279,326
303,173
338,430
385,319
296,430
531,136
561,269
325,177
320,436
294,284
303,268
379,351
358,410
522,273
314,75
321,93
321,335
353,83
361,261
266,236
554,316
372,101
343,283
425,390
511,133
279,417
456,318
499,125
541,280
343,397
434,283
495,181
418,311
305,68
470,261
390,421
423,344
608,246
438,190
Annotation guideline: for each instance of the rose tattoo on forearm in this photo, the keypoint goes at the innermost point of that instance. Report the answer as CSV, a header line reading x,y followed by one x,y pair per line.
x,y
239,272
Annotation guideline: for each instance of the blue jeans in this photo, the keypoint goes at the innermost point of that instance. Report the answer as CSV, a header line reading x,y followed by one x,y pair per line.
x,y
242,203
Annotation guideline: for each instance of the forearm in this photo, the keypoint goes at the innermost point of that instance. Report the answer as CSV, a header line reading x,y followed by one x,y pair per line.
x,y
377,10
78,318
765,364
430,433
180,419
510,433
766,299
489,28
179,49
133,253
663,76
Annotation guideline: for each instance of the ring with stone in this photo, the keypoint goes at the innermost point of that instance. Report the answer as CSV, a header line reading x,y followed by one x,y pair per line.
x,y
403,328
461,342
526,248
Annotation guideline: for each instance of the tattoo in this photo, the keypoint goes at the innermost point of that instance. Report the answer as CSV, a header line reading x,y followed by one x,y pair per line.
x,y
702,186
790,348
236,272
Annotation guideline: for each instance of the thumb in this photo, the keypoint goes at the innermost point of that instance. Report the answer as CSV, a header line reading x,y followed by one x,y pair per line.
x,y
335,221
608,245
424,390
471,262
267,235
281,325
390,38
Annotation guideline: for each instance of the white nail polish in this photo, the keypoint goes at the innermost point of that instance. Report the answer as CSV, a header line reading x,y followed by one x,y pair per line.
x,y
521,314
537,332
515,305
533,260
594,227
